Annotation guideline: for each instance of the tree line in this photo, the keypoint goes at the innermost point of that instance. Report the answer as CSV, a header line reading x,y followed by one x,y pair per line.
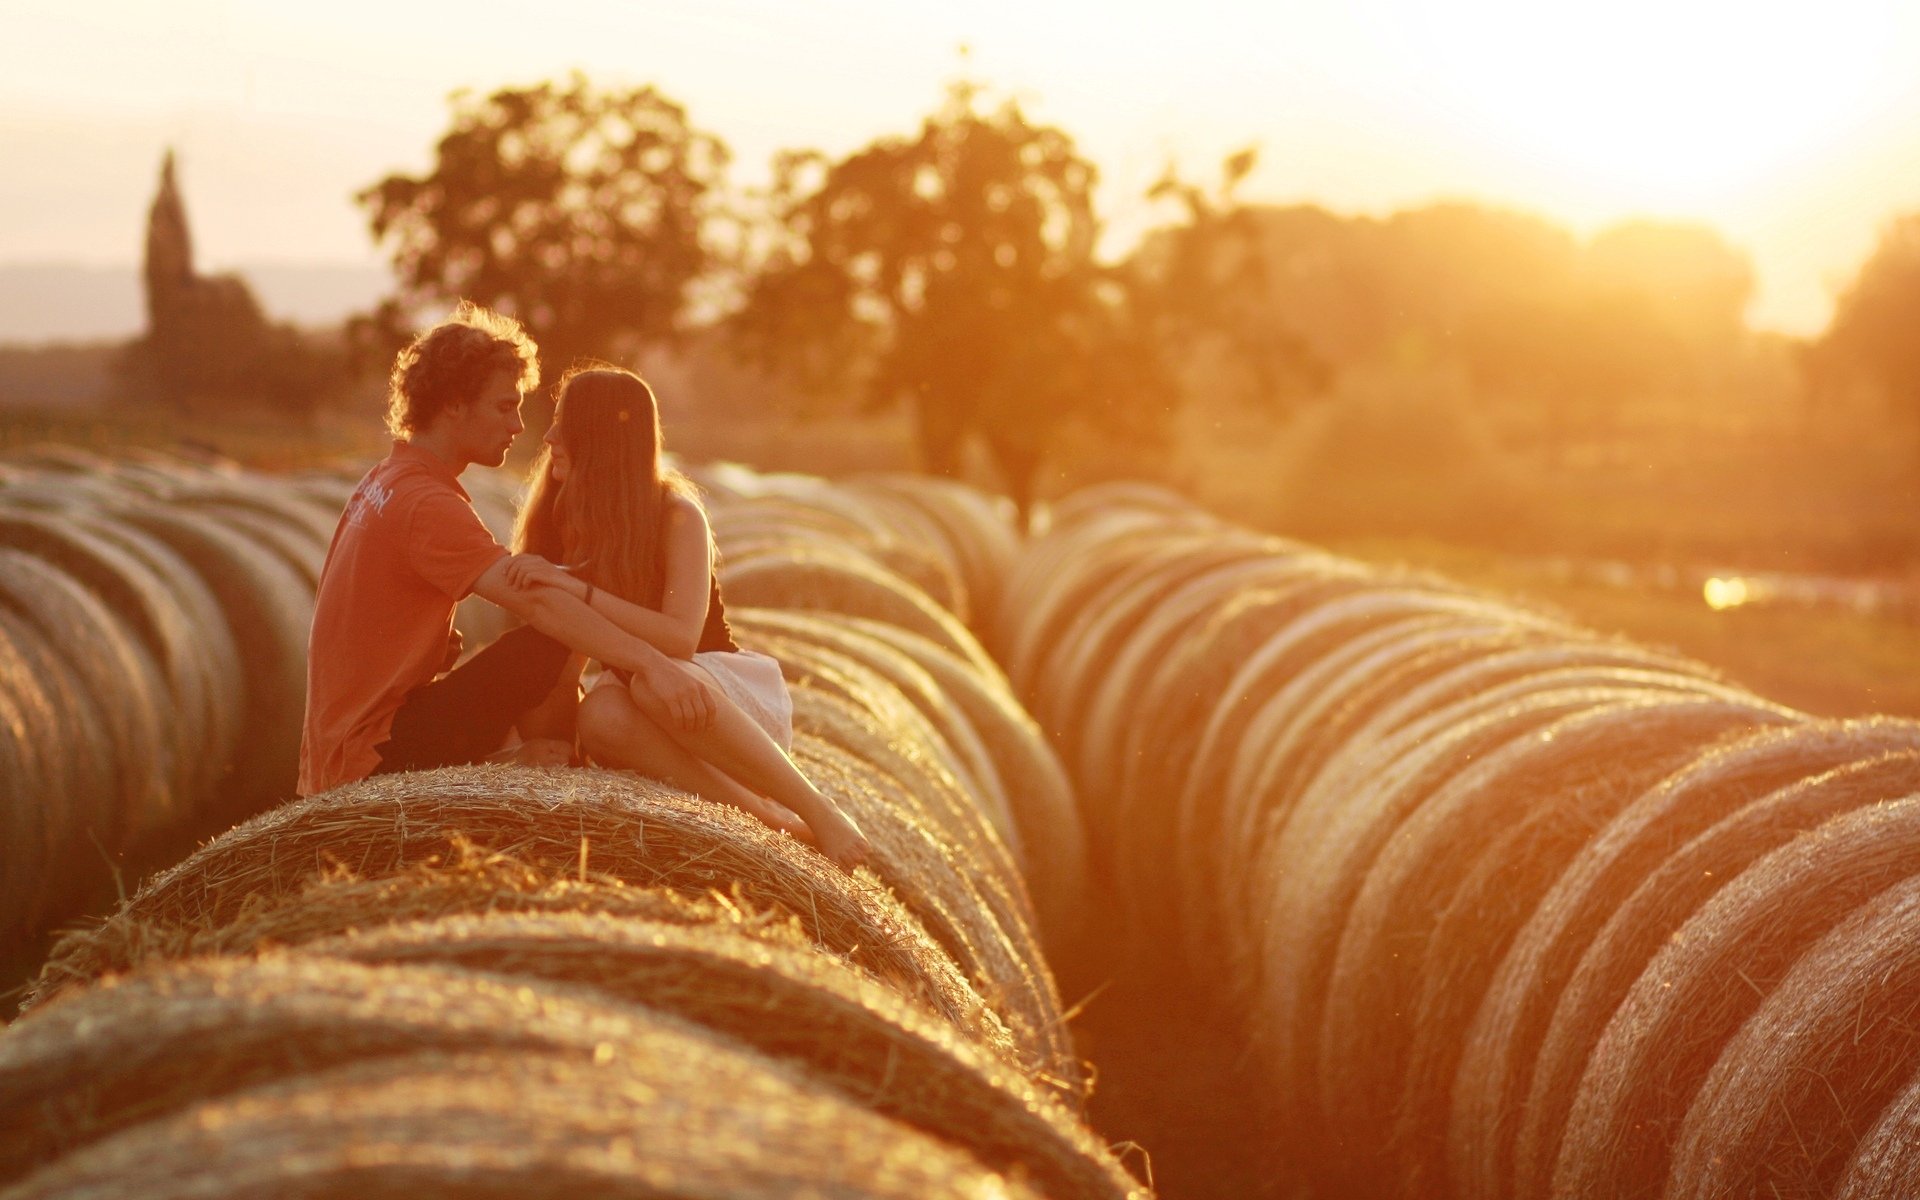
x,y
958,268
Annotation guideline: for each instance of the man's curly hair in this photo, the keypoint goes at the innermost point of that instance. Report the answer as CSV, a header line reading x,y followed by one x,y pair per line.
x,y
451,362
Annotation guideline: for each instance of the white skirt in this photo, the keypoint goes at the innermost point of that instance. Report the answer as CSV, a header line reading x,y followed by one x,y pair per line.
x,y
751,680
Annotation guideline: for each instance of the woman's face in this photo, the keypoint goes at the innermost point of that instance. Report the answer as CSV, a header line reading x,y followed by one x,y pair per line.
x,y
558,460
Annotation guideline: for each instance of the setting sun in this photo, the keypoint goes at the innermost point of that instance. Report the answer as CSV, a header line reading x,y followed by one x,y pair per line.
x,y
1654,104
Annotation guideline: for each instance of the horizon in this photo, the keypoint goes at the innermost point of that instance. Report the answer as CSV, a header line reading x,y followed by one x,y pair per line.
x,y
1786,134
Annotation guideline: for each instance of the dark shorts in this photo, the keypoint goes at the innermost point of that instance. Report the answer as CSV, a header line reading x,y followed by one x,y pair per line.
x,y
464,715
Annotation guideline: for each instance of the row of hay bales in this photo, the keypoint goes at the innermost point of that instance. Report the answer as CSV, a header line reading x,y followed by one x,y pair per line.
x,y
1504,908
507,981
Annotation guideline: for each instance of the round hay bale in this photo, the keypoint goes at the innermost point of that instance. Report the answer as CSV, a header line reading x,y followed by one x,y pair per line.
x,y
151,607
465,881
1288,742
937,579
1652,915
1110,713
1213,805
788,1002
119,692
954,738
510,1125
873,721
269,610
1161,739
1780,1113
1458,878
1887,1159
1315,865
981,917
527,1091
1707,981
978,528
1055,585
1099,499
1506,878
1072,665
842,582
47,804
1490,1098
620,826
1038,792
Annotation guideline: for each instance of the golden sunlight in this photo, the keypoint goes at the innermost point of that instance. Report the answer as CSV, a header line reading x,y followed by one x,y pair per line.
x,y
1659,104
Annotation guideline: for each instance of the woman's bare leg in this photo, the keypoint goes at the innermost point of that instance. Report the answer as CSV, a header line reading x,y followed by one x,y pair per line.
x,y
737,746
616,733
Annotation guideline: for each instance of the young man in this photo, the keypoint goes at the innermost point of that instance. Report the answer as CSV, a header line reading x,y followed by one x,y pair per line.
x,y
409,547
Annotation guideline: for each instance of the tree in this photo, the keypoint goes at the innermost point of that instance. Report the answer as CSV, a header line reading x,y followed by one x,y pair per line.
x,y
961,261
1208,291
580,211
1872,335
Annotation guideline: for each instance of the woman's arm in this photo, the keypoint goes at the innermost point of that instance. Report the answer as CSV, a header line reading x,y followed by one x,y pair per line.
x,y
673,628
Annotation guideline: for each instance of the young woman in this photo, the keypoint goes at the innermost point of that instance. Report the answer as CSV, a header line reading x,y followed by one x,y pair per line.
x,y
633,544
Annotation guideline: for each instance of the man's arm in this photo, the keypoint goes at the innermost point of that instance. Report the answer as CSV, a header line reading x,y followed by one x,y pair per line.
x,y
565,619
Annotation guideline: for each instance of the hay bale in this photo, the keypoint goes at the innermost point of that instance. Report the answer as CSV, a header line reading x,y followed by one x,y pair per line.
x,y
791,1003
47,785
511,1125
153,608
843,582
1312,870
558,820
439,1080
1216,806
1054,585
1707,981
1502,881
980,917
1161,740
1886,1160
1072,665
978,529
1289,740
941,725
464,881
1455,881
1107,718
1095,501
269,610
1490,1099
119,692
1780,1113
1651,916
1039,795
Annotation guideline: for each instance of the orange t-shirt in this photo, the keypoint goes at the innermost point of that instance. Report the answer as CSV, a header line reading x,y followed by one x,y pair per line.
x,y
407,550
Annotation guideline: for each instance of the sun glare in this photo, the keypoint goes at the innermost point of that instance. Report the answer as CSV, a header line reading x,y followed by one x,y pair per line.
x,y
1658,103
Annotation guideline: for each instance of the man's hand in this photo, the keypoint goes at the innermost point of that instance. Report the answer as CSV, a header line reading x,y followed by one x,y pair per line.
x,y
455,644
671,695
528,571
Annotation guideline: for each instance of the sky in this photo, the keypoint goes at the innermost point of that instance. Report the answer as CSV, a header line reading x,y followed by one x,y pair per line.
x,y
1792,128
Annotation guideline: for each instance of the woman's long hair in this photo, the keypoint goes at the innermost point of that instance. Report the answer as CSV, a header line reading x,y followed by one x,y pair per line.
x,y
605,519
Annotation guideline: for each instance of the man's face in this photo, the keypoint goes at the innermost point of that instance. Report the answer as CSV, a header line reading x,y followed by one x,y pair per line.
x,y
491,420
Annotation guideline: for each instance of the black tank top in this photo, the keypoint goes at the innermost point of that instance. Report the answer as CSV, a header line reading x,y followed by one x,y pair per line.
x,y
715,635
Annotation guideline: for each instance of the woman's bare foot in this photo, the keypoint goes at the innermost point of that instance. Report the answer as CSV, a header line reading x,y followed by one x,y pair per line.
x,y
777,817
841,840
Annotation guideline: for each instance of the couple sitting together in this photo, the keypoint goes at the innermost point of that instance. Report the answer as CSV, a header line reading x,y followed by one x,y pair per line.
x,y
612,562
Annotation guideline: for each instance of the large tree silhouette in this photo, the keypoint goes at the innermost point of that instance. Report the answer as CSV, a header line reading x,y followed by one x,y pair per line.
x,y
961,259
1872,335
579,210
